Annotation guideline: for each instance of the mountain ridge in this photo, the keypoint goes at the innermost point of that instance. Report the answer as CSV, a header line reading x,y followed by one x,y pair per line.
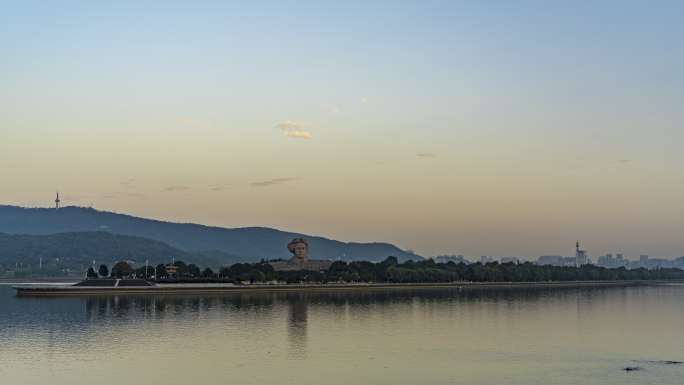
x,y
71,250
244,243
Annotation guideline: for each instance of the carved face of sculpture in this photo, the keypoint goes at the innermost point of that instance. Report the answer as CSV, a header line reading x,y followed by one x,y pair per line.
x,y
301,251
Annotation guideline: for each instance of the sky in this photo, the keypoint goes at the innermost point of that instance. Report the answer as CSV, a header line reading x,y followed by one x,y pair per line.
x,y
505,128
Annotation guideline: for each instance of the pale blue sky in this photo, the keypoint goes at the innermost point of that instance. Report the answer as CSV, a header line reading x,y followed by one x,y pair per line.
x,y
505,128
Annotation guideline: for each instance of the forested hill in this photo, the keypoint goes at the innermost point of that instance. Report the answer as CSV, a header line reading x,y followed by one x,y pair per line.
x,y
249,243
74,250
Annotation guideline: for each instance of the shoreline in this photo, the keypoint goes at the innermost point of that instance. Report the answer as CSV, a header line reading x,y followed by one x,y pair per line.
x,y
33,290
40,280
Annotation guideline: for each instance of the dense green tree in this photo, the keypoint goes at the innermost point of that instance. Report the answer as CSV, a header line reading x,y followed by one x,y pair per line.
x,y
390,261
160,271
145,272
182,268
193,271
424,271
91,273
121,269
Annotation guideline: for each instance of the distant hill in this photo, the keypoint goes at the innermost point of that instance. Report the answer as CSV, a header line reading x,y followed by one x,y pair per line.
x,y
247,244
73,250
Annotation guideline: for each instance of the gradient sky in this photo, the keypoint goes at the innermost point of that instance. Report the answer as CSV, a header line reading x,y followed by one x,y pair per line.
x,y
476,128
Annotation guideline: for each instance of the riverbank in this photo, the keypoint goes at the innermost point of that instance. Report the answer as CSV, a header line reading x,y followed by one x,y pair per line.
x,y
55,280
213,288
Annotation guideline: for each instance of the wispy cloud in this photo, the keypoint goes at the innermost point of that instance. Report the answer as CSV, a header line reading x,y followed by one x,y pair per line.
x,y
176,188
128,182
272,182
426,155
293,129
135,195
117,194
218,187
75,198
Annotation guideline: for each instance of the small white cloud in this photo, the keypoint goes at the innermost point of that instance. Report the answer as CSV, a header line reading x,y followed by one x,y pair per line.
x,y
298,134
293,129
364,100
286,125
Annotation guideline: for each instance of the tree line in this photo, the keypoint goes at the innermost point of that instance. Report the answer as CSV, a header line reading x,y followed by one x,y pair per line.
x,y
387,271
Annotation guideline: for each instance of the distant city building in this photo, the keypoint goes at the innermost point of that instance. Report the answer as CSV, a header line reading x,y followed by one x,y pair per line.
x,y
580,258
658,263
450,258
486,259
678,263
611,262
580,255
644,262
553,260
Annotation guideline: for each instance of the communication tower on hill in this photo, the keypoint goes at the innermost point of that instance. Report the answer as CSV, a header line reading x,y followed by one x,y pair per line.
x,y
57,201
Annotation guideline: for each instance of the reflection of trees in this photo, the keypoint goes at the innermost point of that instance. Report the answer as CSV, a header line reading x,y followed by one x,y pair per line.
x,y
159,306
81,318
98,307
235,304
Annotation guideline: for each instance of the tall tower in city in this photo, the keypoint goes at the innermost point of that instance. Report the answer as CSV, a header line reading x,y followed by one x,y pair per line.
x,y
57,201
580,255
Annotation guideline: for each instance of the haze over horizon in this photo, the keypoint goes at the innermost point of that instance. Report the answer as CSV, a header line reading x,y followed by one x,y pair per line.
x,y
440,127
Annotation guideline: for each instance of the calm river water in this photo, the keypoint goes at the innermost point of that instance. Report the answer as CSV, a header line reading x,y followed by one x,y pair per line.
x,y
424,337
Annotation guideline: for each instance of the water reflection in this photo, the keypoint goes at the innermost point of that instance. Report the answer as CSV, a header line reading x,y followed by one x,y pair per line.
x,y
123,309
126,309
263,309
298,308
399,337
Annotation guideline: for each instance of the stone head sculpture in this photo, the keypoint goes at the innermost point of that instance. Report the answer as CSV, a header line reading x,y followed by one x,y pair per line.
x,y
299,248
